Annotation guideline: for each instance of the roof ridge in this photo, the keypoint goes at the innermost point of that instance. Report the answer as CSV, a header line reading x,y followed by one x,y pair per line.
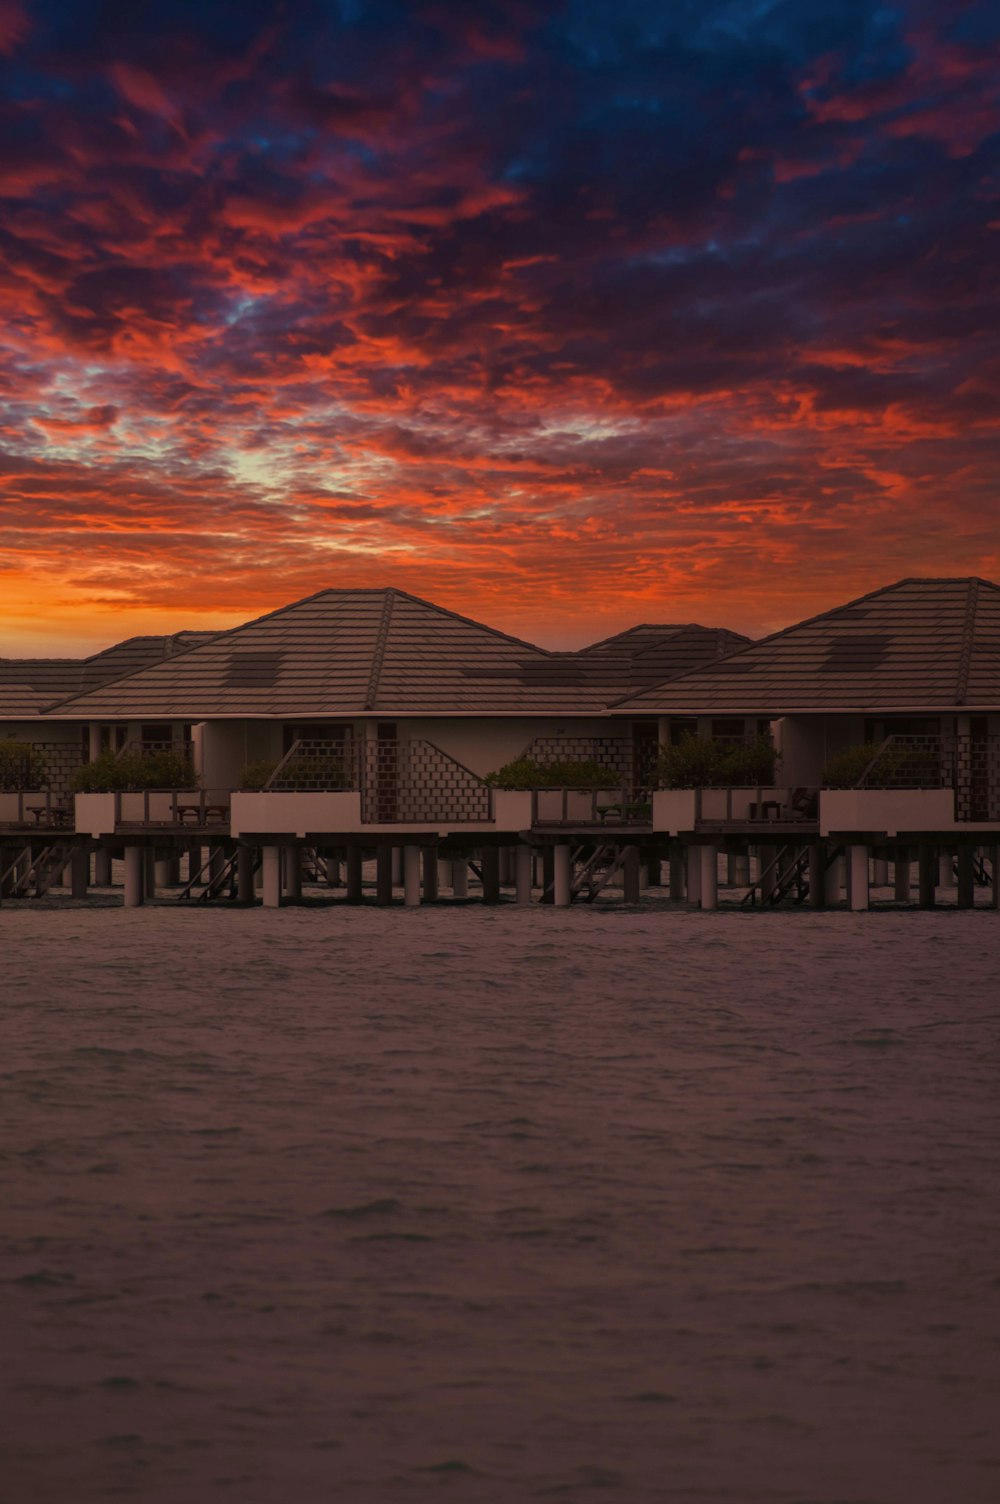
x,y
470,621
378,657
968,638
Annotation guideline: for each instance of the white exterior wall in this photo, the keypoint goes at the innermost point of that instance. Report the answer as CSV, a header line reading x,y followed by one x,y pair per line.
x,y
223,749
807,742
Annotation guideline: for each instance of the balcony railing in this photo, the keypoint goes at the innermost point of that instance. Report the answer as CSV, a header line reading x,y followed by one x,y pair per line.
x,y
624,805
400,782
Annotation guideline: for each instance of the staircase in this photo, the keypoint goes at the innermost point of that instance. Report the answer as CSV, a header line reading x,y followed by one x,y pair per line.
x,y
212,887
32,875
791,870
597,871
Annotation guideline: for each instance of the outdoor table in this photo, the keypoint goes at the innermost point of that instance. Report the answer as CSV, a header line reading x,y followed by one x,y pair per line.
x,y
768,809
49,814
216,812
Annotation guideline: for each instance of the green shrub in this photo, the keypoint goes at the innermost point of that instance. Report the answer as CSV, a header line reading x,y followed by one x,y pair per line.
x,y
321,771
699,762
112,772
22,766
913,767
256,774
565,773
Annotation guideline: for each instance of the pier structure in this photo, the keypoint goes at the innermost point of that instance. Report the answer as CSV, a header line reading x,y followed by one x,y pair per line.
x,y
676,848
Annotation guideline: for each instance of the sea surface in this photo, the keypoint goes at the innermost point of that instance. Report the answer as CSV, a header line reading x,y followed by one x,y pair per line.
x,y
330,1204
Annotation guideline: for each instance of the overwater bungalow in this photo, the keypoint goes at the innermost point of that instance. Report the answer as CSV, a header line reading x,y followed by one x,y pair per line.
x,y
356,713
885,717
370,722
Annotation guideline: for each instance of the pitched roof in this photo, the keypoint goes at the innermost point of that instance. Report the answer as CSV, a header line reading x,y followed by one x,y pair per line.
x,y
344,652
28,686
919,644
647,655
386,652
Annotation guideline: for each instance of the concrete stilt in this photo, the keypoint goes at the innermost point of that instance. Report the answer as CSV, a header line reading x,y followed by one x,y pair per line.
x,y
692,876
654,872
817,875
331,869
491,874
293,873
928,864
859,878
676,877
411,876
946,868
708,877
548,874
244,874
135,876
397,866
767,856
271,864
524,865
880,872
444,872
459,877
354,874
966,876
430,865
538,879
901,878
835,880
632,876
562,875
149,872
385,869
79,879
102,867
162,872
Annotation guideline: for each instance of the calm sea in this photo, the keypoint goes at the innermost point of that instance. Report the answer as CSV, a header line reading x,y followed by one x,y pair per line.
x,y
483,1205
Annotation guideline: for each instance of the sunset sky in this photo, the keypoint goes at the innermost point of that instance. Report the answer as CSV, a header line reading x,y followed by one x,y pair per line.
x,y
566,316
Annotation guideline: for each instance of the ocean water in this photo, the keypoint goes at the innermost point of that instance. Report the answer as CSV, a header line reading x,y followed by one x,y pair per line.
x,y
499,1205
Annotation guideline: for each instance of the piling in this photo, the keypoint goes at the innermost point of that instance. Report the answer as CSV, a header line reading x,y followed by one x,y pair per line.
x,y
708,877
411,876
135,877
562,875
271,861
523,868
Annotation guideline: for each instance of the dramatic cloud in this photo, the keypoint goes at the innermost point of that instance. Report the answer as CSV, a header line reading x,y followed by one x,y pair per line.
x,y
566,316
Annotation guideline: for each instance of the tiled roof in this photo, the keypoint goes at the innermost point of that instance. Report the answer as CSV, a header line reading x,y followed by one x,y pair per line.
x,y
647,655
918,644
343,652
385,652
29,686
